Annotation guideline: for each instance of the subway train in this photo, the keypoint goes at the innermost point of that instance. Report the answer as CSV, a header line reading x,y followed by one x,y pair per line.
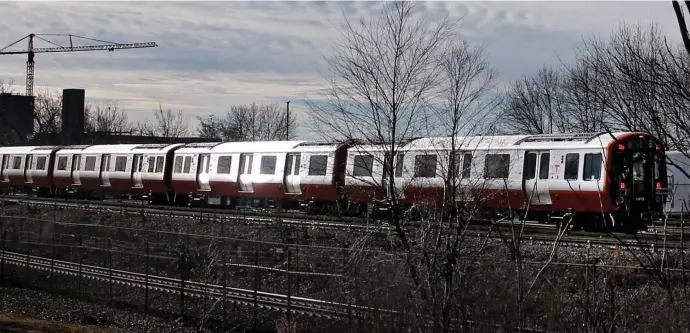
x,y
596,180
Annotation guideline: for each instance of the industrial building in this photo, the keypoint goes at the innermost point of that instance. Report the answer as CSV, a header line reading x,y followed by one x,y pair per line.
x,y
17,124
16,118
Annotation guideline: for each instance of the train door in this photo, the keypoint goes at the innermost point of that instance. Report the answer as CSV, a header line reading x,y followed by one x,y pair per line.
x,y
536,177
76,161
104,175
3,168
244,177
28,177
202,170
136,171
291,178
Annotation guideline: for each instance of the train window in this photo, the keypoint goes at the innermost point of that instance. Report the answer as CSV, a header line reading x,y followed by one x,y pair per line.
x,y
572,163
496,165
466,166
41,163
592,169
425,166
317,165
364,166
530,166
187,164
544,163
297,164
151,167
120,163
62,163
90,164
178,164
268,165
17,162
224,163
399,165
160,163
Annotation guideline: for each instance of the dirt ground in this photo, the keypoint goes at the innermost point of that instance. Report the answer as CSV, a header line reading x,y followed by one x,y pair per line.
x,y
15,323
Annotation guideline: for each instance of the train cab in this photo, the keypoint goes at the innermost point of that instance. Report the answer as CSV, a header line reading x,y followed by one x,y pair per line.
x,y
637,176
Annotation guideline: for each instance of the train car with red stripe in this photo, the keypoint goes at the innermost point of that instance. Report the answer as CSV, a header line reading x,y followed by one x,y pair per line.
x,y
232,173
119,168
27,167
285,174
611,179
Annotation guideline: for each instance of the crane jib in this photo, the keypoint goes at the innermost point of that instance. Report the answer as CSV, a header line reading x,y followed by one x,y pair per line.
x,y
31,51
83,48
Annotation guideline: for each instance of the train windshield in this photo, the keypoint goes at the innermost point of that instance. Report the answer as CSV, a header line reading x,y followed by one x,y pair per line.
x,y
640,174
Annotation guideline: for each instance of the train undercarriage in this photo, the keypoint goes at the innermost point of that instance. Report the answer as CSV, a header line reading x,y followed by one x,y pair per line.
x,y
619,221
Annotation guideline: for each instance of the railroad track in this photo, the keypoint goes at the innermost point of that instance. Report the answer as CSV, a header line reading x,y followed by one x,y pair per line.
x,y
299,305
278,302
533,231
202,213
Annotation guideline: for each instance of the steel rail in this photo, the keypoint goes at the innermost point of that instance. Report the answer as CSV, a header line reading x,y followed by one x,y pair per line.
x,y
532,231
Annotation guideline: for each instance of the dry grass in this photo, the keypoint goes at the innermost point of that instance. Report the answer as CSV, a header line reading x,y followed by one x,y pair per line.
x,y
15,323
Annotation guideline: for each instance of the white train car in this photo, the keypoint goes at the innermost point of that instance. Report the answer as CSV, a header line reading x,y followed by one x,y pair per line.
x,y
124,168
94,167
15,167
222,172
589,173
314,174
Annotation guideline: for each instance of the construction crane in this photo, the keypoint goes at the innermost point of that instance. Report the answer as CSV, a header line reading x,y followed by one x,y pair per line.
x,y
31,51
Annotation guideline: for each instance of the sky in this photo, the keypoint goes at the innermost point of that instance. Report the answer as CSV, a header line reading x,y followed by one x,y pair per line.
x,y
211,55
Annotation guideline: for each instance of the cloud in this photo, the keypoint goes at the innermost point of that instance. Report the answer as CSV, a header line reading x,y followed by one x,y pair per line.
x,y
213,54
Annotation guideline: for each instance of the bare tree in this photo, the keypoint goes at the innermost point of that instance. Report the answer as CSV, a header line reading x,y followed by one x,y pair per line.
x,y
6,87
210,127
623,69
467,105
392,78
47,112
105,118
535,105
382,76
250,123
582,111
167,124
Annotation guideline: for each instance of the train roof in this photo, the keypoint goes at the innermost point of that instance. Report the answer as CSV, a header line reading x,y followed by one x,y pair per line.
x,y
325,146
19,149
240,147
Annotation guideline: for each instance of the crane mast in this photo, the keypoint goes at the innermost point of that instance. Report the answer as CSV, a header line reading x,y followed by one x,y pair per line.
x,y
31,51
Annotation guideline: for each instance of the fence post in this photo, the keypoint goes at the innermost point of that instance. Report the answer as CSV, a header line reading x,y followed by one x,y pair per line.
x,y
81,241
52,262
28,254
225,291
183,265
256,285
146,283
110,269
2,260
289,290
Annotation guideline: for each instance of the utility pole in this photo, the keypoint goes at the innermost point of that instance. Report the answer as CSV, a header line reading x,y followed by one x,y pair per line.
x,y
287,122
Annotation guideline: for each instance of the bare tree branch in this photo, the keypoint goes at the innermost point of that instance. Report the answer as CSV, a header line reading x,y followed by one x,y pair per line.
x,y
250,123
167,124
